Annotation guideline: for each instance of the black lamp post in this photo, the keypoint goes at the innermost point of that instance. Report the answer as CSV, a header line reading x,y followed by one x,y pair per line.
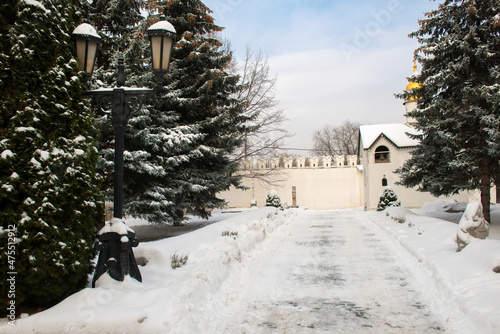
x,y
115,238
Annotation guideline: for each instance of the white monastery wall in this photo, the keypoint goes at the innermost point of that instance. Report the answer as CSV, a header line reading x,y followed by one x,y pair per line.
x,y
325,183
320,183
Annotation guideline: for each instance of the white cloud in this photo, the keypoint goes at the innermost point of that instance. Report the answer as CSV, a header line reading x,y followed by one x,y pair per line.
x,y
321,87
335,59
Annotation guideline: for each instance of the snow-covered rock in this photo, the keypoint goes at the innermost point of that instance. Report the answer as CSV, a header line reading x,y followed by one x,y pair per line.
x,y
472,226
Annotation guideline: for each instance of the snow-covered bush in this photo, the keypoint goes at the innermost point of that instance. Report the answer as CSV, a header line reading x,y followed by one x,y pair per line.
x,y
472,225
388,198
273,199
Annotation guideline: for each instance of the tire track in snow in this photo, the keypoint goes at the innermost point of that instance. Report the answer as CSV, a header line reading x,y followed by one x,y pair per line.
x,y
328,271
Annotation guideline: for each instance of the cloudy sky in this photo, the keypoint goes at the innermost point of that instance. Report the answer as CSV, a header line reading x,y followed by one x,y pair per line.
x,y
334,59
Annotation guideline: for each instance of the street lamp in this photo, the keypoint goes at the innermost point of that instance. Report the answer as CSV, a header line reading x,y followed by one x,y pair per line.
x,y
161,35
115,239
87,41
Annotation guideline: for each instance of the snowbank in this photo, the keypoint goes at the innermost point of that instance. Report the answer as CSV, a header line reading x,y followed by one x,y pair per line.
x,y
166,298
465,277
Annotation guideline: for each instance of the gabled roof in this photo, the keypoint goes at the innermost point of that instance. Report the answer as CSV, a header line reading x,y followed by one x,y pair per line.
x,y
396,133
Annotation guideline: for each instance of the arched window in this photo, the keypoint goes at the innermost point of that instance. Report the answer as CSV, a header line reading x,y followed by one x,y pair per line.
x,y
382,155
384,181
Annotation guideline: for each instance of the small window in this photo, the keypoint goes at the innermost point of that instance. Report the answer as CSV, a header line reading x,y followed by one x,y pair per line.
x,y
382,155
384,182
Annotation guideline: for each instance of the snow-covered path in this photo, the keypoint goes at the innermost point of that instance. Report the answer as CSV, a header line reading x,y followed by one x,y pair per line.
x,y
330,271
295,271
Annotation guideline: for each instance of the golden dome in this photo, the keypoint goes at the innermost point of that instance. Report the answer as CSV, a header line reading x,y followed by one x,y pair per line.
x,y
412,85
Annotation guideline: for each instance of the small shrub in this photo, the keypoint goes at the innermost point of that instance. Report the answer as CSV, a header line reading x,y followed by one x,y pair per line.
x,y
178,261
273,199
388,198
272,215
231,234
399,219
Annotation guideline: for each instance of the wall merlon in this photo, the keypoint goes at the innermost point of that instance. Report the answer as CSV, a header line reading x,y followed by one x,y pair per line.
x,y
342,161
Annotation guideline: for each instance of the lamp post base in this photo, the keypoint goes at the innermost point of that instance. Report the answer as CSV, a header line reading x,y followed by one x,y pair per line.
x,y
116,257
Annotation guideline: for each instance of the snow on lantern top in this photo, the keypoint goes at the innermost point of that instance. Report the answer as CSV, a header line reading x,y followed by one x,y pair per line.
x,y
161,27
86,30
87,39
161,35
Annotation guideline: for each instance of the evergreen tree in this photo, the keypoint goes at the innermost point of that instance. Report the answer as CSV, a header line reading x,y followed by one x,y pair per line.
x,y
176,151
202,96
120,25
50,190
388,198
155,144
458,111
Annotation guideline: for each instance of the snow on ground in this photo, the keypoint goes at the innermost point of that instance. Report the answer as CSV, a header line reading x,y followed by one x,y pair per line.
x,y
464,278
452,211
217,215
297,271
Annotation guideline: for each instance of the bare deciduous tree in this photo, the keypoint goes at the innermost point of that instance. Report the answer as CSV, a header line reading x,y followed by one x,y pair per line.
x,y
266,132
337,140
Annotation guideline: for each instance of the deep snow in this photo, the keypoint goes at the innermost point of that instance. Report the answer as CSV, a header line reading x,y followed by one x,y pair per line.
x,y
230,283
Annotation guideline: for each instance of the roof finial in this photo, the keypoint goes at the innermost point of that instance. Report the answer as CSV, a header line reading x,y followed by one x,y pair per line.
x,y
414,65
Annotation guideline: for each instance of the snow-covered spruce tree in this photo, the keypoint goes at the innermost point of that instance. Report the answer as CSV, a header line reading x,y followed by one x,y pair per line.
x,y
170,164
388,198
123,32
50,191
273,199
118,22
201,98
458,111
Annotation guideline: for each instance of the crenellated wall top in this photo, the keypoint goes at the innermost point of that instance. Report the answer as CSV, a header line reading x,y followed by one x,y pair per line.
x,y
339,161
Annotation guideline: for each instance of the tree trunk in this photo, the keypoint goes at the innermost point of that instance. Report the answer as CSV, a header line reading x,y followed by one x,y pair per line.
x,y
485,172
